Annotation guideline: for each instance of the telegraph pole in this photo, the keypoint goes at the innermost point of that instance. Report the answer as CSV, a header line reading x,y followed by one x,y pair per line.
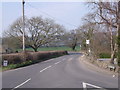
x,y
23,20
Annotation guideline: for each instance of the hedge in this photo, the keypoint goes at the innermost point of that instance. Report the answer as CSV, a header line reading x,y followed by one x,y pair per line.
x,y
16,58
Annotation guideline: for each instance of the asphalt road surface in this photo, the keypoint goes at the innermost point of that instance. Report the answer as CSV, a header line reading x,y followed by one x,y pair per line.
x,y
63,72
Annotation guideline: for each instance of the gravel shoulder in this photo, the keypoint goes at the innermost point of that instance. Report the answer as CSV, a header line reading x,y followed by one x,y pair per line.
x,y
94,67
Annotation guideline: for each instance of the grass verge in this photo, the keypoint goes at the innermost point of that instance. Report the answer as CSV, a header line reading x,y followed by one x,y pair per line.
x,y
63,48
104,55
26,63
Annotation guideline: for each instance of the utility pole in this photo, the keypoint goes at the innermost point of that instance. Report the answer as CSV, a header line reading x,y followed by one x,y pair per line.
x,y
23,20
118,29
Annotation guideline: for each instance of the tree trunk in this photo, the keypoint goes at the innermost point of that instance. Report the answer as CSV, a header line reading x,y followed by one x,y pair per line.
x,y
118,56
118,28
112,56
73,48
113,53
117,46
35,49
111,44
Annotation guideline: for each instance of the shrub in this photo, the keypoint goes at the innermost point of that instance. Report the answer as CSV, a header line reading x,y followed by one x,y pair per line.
x,y
118,57
104,55
46,54
12,58
13,66
34,56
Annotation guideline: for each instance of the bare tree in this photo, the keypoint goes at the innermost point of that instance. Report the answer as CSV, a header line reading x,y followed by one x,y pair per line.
x,y
71,39
106,14
42,32
38,31
7,45
118,27
86,32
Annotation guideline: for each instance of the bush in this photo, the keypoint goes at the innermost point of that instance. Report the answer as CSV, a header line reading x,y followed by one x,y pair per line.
x,y
13,66
17,58
12,58
118,53
46,55
118,57
104,55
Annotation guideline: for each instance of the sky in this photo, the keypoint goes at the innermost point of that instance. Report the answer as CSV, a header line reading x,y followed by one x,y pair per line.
x,y
68,14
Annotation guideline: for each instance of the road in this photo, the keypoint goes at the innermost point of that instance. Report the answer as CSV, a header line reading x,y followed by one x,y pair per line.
x,y
63,72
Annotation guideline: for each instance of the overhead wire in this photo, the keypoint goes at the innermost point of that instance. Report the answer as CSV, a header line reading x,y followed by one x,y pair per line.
x,y
54,18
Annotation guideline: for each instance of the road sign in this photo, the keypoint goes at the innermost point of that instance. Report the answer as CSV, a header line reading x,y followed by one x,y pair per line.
x,y
87,41
5,63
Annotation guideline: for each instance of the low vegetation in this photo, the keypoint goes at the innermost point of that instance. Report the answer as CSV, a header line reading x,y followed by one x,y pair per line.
x,y
62,48
104,55
13,66
17,60
100,26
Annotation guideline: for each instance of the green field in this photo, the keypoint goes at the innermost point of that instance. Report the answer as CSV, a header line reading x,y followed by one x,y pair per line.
x,y
53,49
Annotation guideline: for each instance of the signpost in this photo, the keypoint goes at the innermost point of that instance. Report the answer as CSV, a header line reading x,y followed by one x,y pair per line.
x,y
5,63
87,41
88,46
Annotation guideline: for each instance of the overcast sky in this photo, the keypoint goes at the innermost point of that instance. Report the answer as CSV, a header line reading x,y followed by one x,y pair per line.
x,y
68,14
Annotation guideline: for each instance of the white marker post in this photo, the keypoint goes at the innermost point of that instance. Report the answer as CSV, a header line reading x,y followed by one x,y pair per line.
x,y
80,46
89,50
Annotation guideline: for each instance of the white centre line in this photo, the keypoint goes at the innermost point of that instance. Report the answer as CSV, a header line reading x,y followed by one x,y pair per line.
x,y
49,60
70,59
82,56
21,84
64,59
45,68
57,62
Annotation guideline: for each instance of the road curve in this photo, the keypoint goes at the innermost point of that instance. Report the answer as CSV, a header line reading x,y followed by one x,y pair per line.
x,y
63,72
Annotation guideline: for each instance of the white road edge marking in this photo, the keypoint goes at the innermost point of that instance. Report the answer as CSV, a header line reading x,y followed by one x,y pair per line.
x,y
57,62
113,76
85,85
70,59
45,68
82,56
48,60
21,84
51,60
63,59
30,65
